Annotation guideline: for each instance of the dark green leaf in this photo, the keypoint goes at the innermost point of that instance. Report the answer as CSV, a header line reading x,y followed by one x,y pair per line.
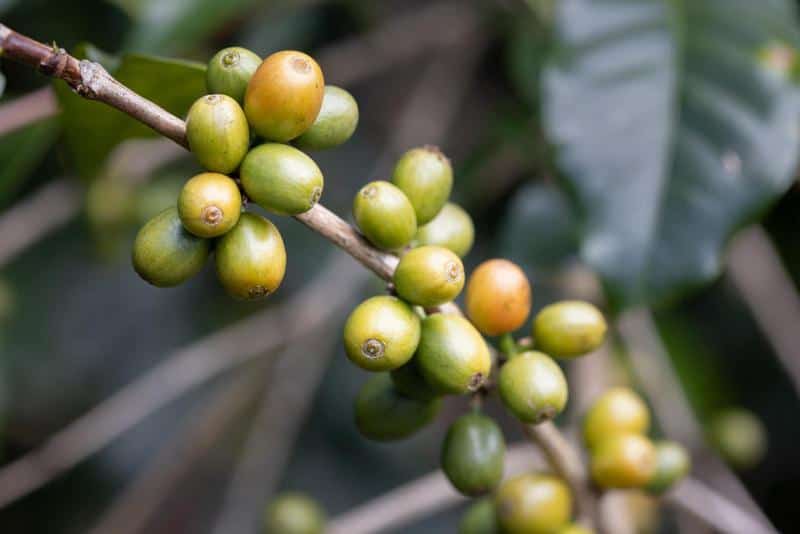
x,y
539,231
672,130
93,129
21,151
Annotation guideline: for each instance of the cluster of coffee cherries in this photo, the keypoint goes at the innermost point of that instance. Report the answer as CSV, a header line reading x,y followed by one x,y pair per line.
x,y
250,134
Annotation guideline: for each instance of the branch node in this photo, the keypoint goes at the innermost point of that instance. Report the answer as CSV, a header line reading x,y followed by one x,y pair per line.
x,y
92,75
55,64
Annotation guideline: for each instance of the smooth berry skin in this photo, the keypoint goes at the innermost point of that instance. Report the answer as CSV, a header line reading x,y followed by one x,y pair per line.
x,y
533,504
569,329
384,215
473,454
533,387
623,461
426,177
209,204
217,133
498,297
672,465
617,411
452,228
294,513
429,276
336,123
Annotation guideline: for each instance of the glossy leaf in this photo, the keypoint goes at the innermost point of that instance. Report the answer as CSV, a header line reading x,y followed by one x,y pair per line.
x,y
93,129
673,128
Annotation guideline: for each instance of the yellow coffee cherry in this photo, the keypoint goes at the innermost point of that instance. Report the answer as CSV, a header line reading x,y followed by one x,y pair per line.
x,y
623,461
618,411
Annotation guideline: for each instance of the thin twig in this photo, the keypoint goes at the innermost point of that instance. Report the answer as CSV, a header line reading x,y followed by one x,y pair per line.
x,y
131,513
421,498
757,271
179,372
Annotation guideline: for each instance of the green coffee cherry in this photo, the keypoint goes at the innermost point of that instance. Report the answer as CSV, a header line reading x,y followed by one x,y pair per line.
x,y
230,70
335,124
532,386
574,528
217,132
384,215
408,381
480,518
294,513
568,329
617,411
473,454
209,204
623,461
429,276
452,356
740,437
452,228
381,334
165,254
672,465
281,179
426,177
533,504
383,414
251,258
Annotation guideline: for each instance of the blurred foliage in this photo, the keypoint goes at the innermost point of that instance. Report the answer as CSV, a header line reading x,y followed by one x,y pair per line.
x,y
670,131
21,151
2,83
92,129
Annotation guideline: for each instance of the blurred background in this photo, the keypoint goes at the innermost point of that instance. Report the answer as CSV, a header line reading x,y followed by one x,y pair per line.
x,y
632,153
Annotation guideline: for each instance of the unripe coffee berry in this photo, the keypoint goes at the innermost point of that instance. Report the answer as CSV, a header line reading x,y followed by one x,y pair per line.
x,y
672,465
452,228
251,258
426,177
381,334
284,95
281,179
230,70
568,329
294,513
384,215
740,437
533,387
452,356
533,504
498,297
574,528
617,411
335,124
408,381
383,414
480,518
473,454
217,132
165,254
623,461
429,276
209,204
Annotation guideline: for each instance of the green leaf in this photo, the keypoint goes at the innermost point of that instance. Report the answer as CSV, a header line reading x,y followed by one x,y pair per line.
x,y
539,230
20,152
93,129
672,130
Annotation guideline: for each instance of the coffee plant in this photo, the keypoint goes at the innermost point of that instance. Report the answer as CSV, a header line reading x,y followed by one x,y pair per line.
x,y
256,128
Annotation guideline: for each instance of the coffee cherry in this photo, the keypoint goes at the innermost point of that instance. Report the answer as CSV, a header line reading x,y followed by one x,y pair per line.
x,y
574,528
498,297
294,513
672,465
533,504
452,228
165,254
480,518
740,437
426,177
384,215
408,381
623,461
383,414
230,70
251,258
217,132
568,329
617,411
429,276
452,355
335,124
284,95
532,386
381,334
281,179
473,454
209,204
